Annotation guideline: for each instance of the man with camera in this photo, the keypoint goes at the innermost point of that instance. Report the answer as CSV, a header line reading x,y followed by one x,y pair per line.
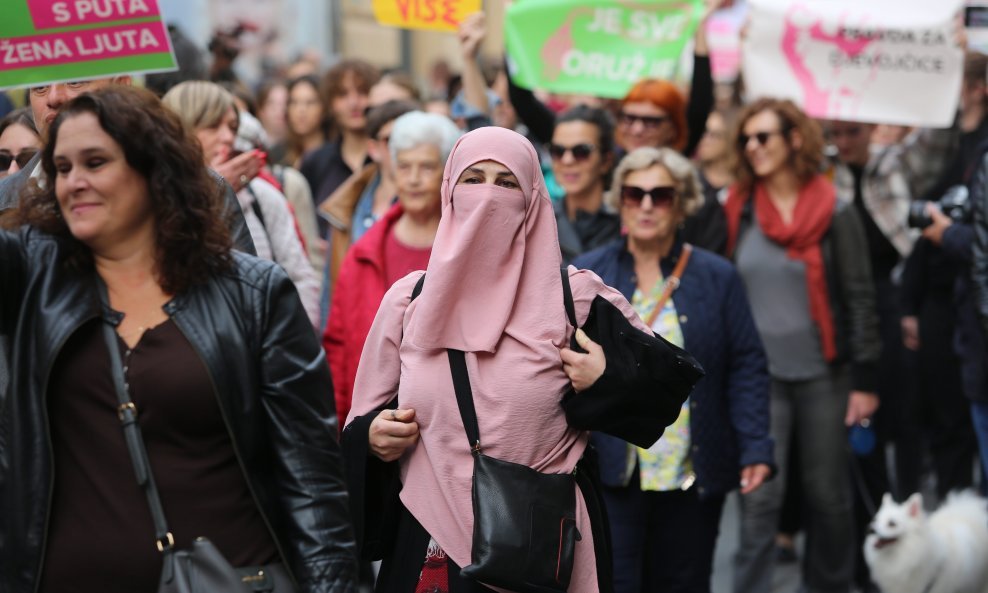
x,y
937,293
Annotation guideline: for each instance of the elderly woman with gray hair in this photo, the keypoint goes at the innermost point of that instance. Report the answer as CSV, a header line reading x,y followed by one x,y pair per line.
x,y
665,502
399,243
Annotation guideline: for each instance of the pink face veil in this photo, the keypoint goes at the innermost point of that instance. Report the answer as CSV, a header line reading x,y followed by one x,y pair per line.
x,y
495,261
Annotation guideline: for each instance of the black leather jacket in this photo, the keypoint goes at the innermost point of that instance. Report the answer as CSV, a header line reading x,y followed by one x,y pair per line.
x,y
270,377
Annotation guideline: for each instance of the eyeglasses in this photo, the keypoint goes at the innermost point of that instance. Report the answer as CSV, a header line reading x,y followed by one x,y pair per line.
x,y
760,137
662,196
22,158
580,152
647,121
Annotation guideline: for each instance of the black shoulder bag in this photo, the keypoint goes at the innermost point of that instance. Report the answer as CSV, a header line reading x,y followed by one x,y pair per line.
x,y
202,568
524,521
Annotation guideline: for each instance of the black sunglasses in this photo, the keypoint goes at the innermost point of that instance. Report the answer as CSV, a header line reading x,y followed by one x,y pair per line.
x,y
22,158
648,121
581,152
760,137
662,196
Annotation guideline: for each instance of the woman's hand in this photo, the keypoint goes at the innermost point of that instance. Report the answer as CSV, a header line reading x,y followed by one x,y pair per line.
x,y
860,406
239,170
392,432
583,370
471,34
753,476
910,332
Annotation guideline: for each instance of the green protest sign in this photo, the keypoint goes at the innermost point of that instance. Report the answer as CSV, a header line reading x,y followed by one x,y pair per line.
x,y
45,41
598,47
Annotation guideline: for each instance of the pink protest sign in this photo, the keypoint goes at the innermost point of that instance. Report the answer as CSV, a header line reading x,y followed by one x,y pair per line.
x,y
51,15
82,46
45,41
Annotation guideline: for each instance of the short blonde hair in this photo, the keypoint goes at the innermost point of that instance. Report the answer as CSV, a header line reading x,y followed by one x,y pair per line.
x,y
199,103
678,166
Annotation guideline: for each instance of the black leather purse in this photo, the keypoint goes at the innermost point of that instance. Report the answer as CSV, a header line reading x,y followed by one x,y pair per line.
x,y
524,521
201,568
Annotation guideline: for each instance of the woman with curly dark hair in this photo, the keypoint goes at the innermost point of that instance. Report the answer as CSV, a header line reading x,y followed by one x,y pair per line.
x,y
121,286
802,256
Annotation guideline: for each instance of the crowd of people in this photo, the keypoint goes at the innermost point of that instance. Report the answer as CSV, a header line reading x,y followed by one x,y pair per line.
x,y
291,270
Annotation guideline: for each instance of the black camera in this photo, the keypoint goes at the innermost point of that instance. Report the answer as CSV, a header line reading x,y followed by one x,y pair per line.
x,y
955,203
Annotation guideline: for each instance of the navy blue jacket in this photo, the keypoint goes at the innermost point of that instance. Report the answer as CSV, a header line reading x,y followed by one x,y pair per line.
x,y
729,407
969,337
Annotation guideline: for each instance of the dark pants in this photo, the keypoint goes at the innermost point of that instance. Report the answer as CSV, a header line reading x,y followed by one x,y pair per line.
x,y
662,541
935,402
812,412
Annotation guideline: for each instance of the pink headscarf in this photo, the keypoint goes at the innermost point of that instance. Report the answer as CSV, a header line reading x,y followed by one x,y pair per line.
x,y
495,261
493,283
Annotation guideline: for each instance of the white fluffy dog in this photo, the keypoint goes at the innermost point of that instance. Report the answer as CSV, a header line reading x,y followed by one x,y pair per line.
x,y
945,552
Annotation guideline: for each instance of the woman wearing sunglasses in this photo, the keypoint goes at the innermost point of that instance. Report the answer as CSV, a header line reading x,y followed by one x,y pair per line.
x,y
802,256
582,151
664,503
19,141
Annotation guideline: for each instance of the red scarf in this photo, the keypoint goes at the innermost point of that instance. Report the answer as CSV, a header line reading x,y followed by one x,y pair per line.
x,y
801,238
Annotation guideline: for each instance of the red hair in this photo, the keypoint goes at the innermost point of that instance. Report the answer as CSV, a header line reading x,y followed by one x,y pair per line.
x,y
667,97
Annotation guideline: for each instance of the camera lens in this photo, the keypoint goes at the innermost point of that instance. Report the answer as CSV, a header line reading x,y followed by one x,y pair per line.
x,y
918,218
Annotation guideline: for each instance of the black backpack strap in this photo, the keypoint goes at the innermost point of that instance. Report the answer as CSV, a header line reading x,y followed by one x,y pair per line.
x,y
568,297
464,396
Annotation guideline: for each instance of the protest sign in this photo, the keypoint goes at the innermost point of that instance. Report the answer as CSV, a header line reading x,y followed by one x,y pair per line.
x,y
434,15
724,40
598,47
45,41
882,61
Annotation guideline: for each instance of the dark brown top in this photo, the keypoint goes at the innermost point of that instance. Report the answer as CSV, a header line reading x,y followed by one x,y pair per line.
x,y
100,534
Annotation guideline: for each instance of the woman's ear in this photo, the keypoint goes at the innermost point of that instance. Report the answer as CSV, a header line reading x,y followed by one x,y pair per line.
x,y
795,139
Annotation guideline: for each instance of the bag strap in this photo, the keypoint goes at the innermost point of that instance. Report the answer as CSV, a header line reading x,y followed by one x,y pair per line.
x,y
464,397
255,206
127,413
461,377
672,283
568,297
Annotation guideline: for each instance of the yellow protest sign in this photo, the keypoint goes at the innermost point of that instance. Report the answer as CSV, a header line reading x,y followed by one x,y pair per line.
x,y
433,15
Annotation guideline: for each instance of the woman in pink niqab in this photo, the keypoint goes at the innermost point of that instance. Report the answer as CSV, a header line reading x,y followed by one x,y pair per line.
x,y
493,290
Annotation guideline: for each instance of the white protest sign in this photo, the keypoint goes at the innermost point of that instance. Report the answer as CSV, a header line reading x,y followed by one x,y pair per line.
x,y
882,61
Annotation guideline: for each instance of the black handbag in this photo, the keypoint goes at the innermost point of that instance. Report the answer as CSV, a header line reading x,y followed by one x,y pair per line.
x,y
201,568
645,382
524,521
